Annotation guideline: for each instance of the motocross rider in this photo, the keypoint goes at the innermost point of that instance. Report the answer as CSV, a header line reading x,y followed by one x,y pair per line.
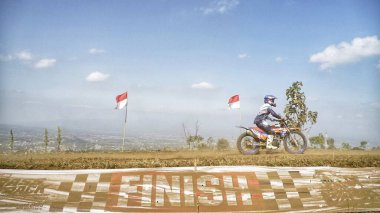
x,y
263,116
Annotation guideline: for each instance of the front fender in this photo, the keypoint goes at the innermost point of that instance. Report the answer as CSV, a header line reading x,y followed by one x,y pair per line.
x,y
249,132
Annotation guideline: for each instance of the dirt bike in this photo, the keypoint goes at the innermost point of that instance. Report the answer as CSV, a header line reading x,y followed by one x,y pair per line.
x,y
254,138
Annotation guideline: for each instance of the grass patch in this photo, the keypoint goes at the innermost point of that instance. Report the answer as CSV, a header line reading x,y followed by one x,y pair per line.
x,y
185,158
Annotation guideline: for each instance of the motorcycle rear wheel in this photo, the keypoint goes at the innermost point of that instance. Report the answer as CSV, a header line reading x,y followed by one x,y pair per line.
x,y
295,142
247,145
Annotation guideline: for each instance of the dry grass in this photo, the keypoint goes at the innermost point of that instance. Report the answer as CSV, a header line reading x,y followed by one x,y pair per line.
x,y
105,160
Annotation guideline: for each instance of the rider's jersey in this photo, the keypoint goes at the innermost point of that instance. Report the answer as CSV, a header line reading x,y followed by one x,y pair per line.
x,y
265,111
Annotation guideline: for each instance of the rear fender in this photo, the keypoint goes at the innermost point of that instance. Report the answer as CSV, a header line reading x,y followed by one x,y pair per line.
x,y
247,130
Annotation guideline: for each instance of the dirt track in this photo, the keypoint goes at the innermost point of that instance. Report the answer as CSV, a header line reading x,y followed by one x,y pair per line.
x,y
192,189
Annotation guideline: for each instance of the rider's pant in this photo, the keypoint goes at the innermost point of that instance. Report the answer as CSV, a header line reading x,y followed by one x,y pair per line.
x,y
265,127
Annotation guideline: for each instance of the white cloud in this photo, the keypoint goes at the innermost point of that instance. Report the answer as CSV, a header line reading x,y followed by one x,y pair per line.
x,y
279,59
27,57
6,57
243,56
97,76
344,52
375,105
24,55
96,51
202,85
45,63
359,115
220,7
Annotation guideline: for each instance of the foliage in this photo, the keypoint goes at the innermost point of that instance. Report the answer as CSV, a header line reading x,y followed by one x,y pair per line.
x,y
59,138
194,139
296,112
210,142
331,143
346,145
357,148
316,141
46,139
222,144
202,146
11,140
363,144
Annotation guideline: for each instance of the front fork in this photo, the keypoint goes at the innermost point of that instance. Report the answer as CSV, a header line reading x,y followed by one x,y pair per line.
x,y
279,138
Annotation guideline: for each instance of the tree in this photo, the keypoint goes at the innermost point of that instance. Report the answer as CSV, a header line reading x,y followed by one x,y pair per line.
x,y
210,142
192,140
59,138
346,145
202,146
363,144
186,135
331,143
195,140
46,139
296,112
222,144
316,141
11,140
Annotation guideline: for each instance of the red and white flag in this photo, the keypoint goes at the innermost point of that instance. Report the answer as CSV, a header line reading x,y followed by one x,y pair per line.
x,y
121,100
234,102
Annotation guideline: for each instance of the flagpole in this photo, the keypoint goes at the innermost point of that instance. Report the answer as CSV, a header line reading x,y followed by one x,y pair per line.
x,y
240,119
240,115
125,126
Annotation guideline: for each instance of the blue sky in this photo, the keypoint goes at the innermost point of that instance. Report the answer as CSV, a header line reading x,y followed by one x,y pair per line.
x,y
63,62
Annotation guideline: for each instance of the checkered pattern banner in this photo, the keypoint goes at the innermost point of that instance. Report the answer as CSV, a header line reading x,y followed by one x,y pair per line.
x,y
204,189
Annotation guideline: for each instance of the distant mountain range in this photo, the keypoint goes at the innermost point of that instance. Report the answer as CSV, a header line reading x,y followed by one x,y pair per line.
x,y
31,139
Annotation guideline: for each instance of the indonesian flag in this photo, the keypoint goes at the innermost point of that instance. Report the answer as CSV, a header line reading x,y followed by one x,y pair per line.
x,y
234,102
121,100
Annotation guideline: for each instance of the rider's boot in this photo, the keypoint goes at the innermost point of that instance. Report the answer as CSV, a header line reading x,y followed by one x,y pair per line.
x,y
269,142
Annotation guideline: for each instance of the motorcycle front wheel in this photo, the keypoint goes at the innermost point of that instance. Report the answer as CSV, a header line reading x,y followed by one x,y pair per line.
x,y
295,142
247,145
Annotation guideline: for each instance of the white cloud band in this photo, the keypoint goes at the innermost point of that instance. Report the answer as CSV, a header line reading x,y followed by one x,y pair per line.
x,y
95,51
202,85
344,52
45,63
24,55
97,77
243,56
220,7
